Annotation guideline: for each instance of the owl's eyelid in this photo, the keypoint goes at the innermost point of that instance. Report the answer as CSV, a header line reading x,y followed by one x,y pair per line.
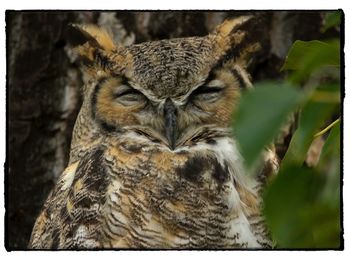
x,y
213,86
208,90
125,90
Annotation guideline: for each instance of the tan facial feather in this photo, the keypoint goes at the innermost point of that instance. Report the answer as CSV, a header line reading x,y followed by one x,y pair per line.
x,y
221,110
110,110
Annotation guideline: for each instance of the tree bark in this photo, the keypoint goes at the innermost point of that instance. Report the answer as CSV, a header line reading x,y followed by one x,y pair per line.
x,y
43,86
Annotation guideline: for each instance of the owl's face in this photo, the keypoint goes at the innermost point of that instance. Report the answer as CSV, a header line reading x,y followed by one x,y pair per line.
x,y
170,90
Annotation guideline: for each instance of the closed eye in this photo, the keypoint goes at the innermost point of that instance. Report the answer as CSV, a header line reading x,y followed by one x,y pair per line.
x,y
125,91
128,96
207,90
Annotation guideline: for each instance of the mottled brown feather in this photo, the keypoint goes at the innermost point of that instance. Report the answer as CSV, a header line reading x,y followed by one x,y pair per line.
x,y
126,186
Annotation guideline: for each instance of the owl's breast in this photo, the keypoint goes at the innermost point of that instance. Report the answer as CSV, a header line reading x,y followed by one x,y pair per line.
x,y
164,199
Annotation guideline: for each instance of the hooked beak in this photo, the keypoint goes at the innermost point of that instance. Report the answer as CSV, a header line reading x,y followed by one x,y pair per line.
x,y
170,116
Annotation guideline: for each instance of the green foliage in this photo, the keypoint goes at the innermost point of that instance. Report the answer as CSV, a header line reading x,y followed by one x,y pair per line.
x,y
306,57
308,214
312,116
302,219
301,204
332,145
332,19
256,112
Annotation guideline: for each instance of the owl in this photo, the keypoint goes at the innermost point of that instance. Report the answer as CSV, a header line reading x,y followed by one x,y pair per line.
x,y
153,163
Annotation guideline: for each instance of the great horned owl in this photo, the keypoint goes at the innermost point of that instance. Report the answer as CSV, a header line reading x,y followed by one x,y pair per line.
x,y
153,163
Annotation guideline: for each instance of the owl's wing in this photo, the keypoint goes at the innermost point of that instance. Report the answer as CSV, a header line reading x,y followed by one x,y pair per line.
x,y
70,216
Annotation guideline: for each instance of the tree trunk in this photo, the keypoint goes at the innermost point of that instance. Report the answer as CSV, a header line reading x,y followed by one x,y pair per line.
x,y
43,86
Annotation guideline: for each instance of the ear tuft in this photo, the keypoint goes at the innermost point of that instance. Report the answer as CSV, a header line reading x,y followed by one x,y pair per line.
x,y
229,34
96,36
229,26
95,47
246,54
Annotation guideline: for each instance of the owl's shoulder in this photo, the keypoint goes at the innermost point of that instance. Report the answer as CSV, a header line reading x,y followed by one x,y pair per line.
x,y
70,214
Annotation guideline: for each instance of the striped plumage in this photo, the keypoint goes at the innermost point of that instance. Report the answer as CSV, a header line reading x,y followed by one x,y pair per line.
x,y
153,163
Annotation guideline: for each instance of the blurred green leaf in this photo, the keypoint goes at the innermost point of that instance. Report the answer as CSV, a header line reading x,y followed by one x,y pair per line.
x,y
331,20
260,114
332,144
329,164
302,205
295,213
313,115
285,200
305,57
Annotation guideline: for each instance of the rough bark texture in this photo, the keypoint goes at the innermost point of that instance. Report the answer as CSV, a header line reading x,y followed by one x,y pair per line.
x,y
43,86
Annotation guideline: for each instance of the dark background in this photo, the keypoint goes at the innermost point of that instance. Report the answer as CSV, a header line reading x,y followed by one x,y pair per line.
x,y
44,80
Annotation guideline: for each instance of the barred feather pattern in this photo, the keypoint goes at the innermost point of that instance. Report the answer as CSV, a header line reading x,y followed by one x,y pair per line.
x,y
133,194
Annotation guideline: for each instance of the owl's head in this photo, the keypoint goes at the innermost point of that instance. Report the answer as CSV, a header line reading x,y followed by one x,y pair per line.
x,y
175,91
